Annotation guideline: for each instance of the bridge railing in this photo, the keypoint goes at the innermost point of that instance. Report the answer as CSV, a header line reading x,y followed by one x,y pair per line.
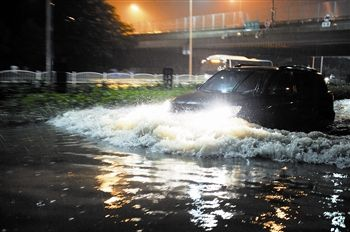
x,y
200,22
24,76
284,11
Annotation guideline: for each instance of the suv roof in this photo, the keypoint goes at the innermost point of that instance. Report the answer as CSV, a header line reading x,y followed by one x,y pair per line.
x,y
249,66
284,67
298,67
308,79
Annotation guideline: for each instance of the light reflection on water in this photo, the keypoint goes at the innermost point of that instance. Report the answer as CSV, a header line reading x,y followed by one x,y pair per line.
x,y
169,177
216,196
280,212
337,218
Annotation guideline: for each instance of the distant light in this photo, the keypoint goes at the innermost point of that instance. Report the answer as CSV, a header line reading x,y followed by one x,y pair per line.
x,y
327,80
69,19
134,8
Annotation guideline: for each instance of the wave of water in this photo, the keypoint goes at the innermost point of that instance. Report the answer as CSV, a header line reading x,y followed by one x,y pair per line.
x,y
214,133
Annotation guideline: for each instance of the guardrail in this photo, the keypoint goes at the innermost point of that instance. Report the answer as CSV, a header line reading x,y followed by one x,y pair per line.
x,y
74,78
237,17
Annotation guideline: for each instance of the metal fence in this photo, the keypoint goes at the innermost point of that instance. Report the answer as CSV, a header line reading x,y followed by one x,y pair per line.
x,y
199,23
74,78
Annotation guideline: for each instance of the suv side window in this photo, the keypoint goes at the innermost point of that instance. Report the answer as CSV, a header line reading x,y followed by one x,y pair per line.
x,y
281,84
221,82
304,84
250,83
224,81
310,85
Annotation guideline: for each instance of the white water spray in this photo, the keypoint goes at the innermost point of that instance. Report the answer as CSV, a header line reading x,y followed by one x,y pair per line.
x,y
216,132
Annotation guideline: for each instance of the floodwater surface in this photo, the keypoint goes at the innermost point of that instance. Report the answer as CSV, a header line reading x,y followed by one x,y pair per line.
x,y
144,169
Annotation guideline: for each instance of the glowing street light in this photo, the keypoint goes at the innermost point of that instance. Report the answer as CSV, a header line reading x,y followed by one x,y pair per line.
x,y
240,3
134,8
137,16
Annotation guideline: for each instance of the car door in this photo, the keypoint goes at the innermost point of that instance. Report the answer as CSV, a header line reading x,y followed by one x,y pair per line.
x,y
279,102
312,96
246,92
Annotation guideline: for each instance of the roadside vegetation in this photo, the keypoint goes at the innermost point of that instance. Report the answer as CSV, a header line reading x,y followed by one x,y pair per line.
x,y
340,91
104,96
43,103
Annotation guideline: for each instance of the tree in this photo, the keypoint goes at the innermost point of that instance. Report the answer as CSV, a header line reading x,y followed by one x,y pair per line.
x,y
22,40
87,35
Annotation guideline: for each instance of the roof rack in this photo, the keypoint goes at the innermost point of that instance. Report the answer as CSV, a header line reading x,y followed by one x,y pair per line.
x,y
243,64
298,67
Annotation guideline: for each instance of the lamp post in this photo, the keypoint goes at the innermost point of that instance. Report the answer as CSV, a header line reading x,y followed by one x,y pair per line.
x,y
236,12
273,13
240,4
138,17
48,32
190,47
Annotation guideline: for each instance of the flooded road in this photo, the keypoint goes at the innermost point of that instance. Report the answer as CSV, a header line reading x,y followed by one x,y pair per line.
x,y
142,169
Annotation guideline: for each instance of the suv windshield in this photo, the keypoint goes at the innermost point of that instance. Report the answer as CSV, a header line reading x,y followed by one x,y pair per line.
x,y
238,81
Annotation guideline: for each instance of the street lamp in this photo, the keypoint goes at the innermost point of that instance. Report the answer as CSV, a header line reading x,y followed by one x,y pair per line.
x,y
134,8
273,13
236,12
137,16
240,4
190,47
48,32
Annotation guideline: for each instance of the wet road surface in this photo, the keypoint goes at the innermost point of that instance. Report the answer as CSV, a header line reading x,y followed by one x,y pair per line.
x,y
55,180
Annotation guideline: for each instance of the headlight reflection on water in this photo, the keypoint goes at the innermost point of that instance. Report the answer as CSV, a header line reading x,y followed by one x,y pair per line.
x,y
209,195
142,184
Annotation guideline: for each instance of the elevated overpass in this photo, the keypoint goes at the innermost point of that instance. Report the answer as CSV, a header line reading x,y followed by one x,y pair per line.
x,y
284,42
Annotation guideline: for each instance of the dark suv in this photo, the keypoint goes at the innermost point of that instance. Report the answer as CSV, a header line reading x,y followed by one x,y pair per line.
x,y
290,97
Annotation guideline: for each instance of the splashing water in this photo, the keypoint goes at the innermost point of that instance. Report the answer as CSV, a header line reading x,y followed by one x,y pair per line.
x,y
215,133
342,108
